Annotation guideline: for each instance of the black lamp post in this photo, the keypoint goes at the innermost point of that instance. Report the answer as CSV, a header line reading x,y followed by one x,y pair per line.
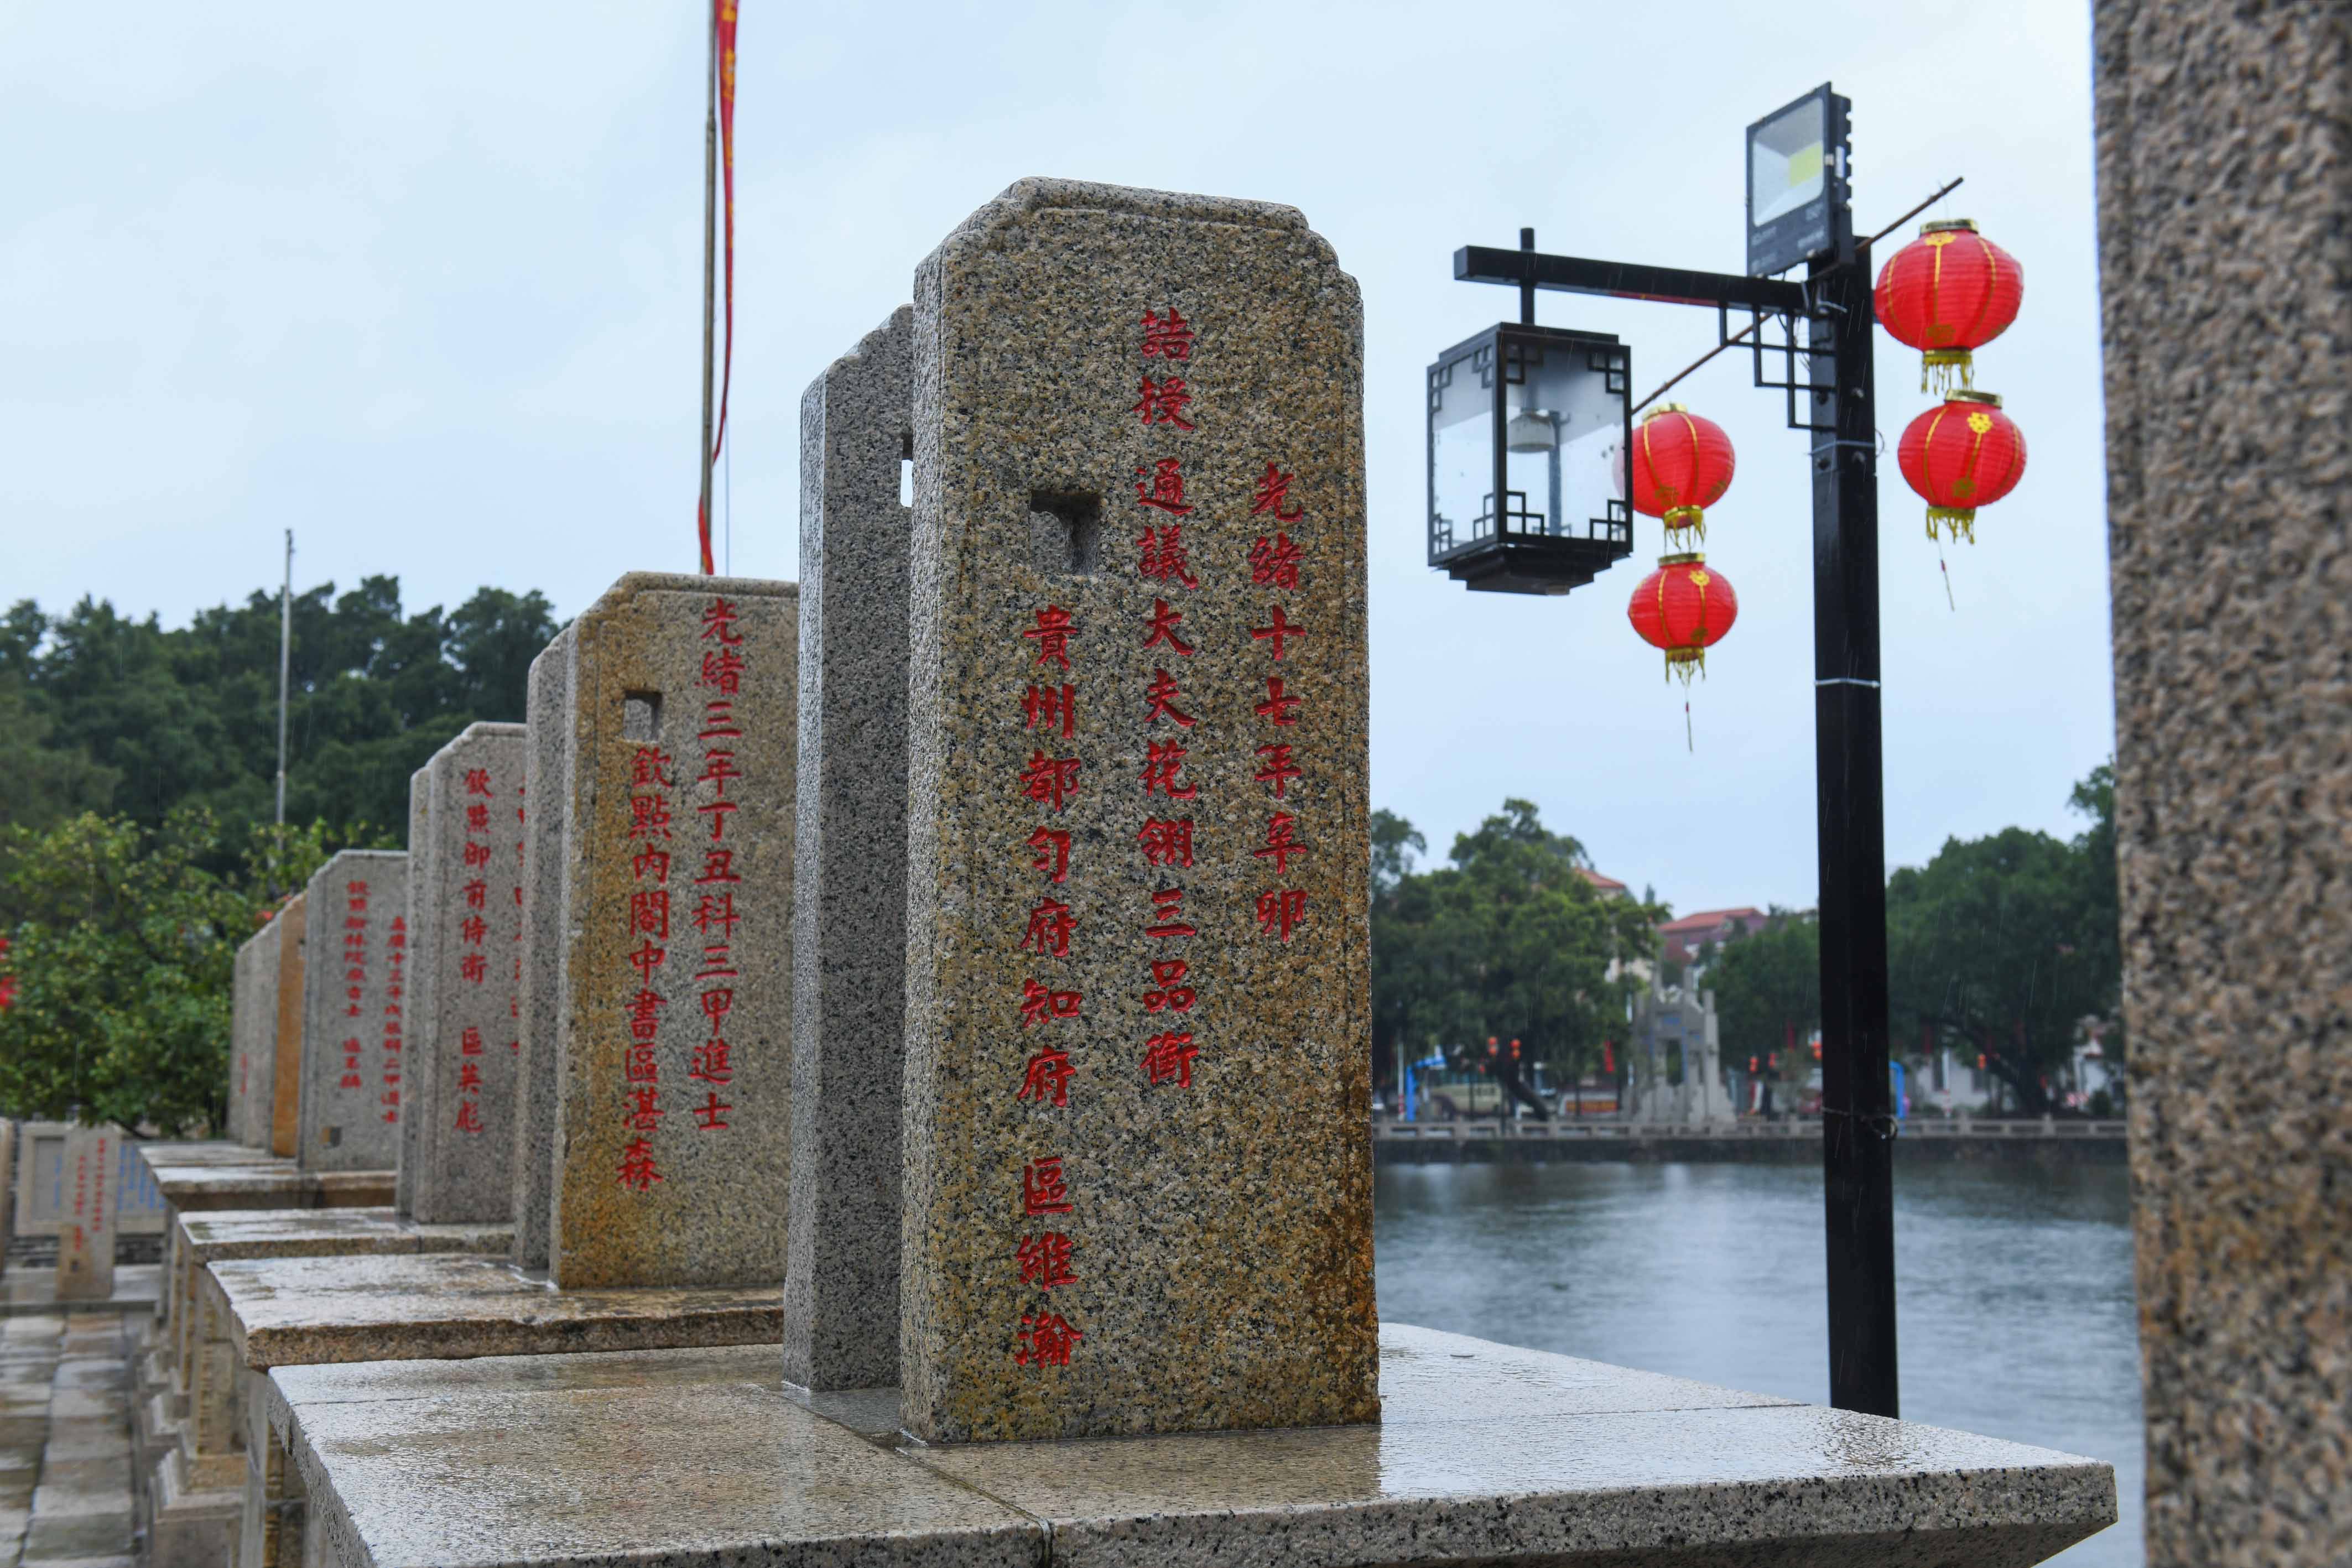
x,y
1503,516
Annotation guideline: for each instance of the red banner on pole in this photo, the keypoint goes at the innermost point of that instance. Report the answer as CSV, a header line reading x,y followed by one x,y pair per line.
x,y
723,42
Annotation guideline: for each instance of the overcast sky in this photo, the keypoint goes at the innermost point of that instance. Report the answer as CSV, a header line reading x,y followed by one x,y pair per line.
x,y
422,283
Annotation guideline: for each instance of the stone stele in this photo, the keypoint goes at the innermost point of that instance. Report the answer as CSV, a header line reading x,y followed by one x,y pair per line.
x,y
86,1240
673,1078
242,1012
354,1020
465,900
284,1054
253,1030
1138,1029
549,726
2223,197
419,1002
841,1288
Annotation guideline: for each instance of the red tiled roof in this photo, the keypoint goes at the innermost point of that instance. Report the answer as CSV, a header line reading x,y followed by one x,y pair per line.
x,y
1709,920
1604,884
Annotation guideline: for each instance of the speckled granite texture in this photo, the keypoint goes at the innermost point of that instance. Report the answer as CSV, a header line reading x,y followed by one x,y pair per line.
x,y
244,1016
849,913
1487,1455
672,1155
93,1159
417,1092
2225,155
1218,1226
545,777
464,902
353,1012
293,926
287,1312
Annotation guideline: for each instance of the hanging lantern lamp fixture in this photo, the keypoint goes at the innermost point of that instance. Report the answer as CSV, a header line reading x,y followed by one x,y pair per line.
x,y
1961,455
1684,608
1946,293
1680,465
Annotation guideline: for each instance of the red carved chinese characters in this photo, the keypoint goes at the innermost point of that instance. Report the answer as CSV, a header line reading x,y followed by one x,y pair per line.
x,y
716,915
1164,558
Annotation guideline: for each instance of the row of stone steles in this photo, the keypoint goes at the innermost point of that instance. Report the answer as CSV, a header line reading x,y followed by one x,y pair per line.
x,y
942,981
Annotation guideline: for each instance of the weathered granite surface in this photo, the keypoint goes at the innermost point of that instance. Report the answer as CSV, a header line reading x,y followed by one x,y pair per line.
x,y
303,1310
673,1080
1218,1231
849,912
545,777
85,1241
244,1014
2223,157
419,1089
465,901
355,989
269,1183
286,1042
1486,1455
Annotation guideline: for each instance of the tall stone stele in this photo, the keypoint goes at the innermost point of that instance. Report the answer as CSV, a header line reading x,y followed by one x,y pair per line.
x,y
243,1012
1138,1168
849,947
355,985
2224,243
94,1161
464,919
281,1113
658,956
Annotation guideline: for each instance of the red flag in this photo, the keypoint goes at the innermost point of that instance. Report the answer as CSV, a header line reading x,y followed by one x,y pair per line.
x,y
724,40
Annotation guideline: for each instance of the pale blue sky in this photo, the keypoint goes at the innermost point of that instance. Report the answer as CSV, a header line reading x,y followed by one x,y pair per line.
x,y
422,283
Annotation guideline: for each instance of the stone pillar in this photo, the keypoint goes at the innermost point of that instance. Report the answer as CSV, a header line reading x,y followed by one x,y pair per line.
x,y
354,1011
849,914
673,1074
242,1012
418,1002
545,779
1137,1165
86,1240
2223,156
285,1052
465,902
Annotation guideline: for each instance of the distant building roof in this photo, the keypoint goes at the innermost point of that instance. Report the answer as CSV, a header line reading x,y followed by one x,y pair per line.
x,y
1602,884
1711,920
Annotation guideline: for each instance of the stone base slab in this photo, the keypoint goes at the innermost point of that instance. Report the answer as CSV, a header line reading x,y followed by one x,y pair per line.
x,y
303,1312
189,1526
1486,1454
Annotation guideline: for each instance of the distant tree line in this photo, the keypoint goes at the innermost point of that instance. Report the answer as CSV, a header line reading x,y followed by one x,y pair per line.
x,y
137,849
2001,947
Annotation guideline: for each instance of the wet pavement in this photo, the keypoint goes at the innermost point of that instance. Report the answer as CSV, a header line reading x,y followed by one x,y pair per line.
x,y
65,1440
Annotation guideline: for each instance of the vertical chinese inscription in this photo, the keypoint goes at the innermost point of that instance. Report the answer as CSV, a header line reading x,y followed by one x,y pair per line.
x,y
1138,1169
354,1011
673,1080
85,1241
468,895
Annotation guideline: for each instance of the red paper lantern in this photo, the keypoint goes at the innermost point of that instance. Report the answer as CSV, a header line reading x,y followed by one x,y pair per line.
x,y
1681,465
1963,456
1945,293
1684,608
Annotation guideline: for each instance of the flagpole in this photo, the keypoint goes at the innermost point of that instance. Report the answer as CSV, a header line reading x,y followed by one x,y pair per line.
x,y
285,662
709,280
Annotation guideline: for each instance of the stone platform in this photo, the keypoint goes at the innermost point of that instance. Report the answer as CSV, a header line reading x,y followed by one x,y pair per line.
x,y
269,1184
1486,1454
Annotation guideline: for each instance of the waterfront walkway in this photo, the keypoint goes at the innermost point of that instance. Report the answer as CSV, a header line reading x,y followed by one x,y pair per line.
x,y
65,1440
1750,1138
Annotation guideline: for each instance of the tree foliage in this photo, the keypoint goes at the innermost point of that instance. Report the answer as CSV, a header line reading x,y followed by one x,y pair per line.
x,y
100,712
122,956
1510,940
1999,947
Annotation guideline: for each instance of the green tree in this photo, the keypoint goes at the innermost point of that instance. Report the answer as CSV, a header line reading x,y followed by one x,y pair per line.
x,y
2004,946
1510,940
121,957
1768,989
123,715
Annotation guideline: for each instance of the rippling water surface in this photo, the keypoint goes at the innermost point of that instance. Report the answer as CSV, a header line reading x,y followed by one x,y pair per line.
x,y
2013,1282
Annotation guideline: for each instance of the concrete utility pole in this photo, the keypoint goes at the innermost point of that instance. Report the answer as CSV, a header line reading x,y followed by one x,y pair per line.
x,y
285,669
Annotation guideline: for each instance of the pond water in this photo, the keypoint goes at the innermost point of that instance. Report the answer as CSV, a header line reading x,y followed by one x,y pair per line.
x,y
2014,1296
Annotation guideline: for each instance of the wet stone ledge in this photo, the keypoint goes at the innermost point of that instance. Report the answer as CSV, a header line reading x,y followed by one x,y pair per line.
x,y
1486,1454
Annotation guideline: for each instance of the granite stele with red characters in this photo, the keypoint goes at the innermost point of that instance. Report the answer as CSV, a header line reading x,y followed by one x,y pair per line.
x,y
355,1052
1137,1170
